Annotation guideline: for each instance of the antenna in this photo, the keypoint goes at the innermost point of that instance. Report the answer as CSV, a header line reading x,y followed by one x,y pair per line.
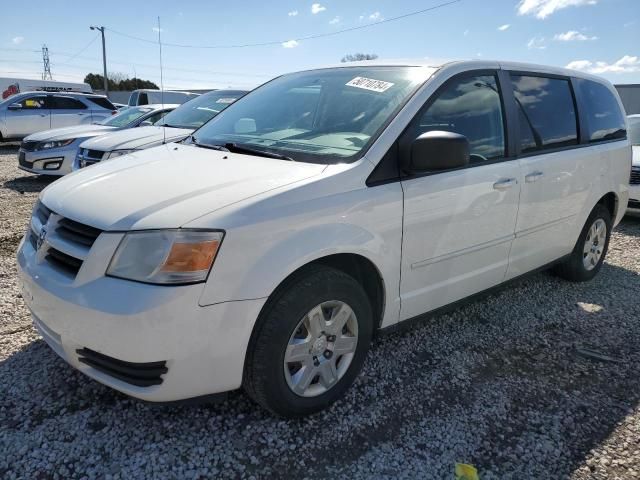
x,y
164,128
46,73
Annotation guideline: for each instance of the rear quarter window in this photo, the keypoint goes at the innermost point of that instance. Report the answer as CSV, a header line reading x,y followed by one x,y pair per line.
x,y
600,108
102,102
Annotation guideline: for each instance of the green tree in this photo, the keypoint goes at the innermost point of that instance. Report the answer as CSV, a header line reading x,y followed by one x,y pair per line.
x,y
118,82
357,57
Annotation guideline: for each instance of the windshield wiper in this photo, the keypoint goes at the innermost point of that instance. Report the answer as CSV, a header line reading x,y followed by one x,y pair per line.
x,y
210,146
235,148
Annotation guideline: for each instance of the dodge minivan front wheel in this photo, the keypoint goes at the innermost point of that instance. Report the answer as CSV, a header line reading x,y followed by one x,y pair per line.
x,y
590,250
309,343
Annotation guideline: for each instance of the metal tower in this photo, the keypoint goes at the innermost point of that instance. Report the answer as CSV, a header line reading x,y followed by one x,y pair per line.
x,y
46,74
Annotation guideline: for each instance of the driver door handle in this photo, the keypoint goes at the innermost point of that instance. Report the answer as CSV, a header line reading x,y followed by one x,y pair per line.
x,y
505,184
533,177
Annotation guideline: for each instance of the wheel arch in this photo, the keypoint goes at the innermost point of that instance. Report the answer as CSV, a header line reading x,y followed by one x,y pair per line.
x,y
361,268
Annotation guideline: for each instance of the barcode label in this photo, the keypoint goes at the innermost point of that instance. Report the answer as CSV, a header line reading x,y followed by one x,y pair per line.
x,y
370,84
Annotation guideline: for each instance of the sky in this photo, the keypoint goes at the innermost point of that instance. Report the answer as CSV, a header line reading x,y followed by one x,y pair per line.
x,y
598,36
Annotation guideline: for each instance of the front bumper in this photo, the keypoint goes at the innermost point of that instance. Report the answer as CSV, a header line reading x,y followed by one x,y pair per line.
x,y
203,348
54,161
634,199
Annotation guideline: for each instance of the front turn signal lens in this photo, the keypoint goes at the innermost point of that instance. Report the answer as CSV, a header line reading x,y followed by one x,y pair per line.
x,y
191,257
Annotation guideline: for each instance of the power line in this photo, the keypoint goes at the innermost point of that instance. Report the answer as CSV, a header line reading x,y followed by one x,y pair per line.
x,y
279,42
80,51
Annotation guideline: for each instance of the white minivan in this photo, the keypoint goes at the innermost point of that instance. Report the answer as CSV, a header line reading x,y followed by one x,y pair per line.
x,y
148,96
267,249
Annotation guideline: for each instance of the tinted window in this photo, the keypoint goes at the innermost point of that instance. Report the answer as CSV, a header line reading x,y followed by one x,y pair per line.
x,y
125,117
471,107
102,102
143,99
605,121
198,111
156,116
547,113
67,103
133,99
33,103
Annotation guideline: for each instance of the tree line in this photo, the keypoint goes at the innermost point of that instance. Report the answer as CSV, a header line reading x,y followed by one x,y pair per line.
x,y
118,82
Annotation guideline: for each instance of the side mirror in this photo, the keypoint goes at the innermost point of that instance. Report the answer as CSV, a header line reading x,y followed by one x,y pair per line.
x,y
15,106
437,150
146,123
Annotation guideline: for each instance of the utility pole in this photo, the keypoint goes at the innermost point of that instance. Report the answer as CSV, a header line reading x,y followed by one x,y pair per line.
x,y
46,73
104,59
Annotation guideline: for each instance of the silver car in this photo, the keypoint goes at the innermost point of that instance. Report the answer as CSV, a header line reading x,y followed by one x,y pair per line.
x,y
176,126
52,152
31,112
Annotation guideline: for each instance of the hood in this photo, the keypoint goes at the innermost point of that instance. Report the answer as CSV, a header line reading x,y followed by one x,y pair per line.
x,y
136,138
77,131
167,186
636,156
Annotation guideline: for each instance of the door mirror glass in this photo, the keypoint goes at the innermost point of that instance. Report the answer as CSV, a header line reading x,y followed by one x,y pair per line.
x,y
15,106
438,150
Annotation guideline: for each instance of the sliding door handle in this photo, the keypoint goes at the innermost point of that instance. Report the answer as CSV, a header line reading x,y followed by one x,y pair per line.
x,y
533,177
505,184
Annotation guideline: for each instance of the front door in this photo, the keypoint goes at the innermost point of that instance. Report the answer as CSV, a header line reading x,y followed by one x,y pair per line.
x,y
31,117
459,225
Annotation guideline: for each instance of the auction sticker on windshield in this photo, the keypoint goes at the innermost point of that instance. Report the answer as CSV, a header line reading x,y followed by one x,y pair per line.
x,y
370,84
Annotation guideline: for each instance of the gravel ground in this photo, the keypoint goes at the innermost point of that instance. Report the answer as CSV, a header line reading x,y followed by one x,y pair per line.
x,y
506,383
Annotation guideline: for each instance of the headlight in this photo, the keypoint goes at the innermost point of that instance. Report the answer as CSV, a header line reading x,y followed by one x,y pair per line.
x,y
118,153
54,144
166,256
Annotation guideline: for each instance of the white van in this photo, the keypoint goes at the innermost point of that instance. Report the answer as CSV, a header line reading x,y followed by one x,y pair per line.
x,y
266,250
148,96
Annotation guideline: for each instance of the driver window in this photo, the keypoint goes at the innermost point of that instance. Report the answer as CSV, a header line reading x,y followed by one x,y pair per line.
x,y
33,103
471,107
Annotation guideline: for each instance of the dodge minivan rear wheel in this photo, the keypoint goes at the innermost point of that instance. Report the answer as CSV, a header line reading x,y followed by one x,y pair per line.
x,y
590,250
309,343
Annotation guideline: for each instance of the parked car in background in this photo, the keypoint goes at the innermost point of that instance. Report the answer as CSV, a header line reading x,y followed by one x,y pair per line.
x,y
53,152
120,106
147,96
174,127
266,250
31,112
634,182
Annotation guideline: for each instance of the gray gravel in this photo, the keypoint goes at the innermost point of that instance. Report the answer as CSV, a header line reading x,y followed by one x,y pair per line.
x,y
508,384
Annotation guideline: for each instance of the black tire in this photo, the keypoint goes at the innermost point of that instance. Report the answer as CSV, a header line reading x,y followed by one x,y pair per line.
x,y
573,269
264,376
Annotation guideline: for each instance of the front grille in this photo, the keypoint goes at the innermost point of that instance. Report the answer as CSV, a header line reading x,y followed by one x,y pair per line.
x,y
635,176
139,374
94,154
23,161
65,242
88,157
29,146
77,232
63,261
42,213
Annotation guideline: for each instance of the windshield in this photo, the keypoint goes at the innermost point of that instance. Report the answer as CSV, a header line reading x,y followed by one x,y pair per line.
x,y
634,130
319,116
127,116
198,111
